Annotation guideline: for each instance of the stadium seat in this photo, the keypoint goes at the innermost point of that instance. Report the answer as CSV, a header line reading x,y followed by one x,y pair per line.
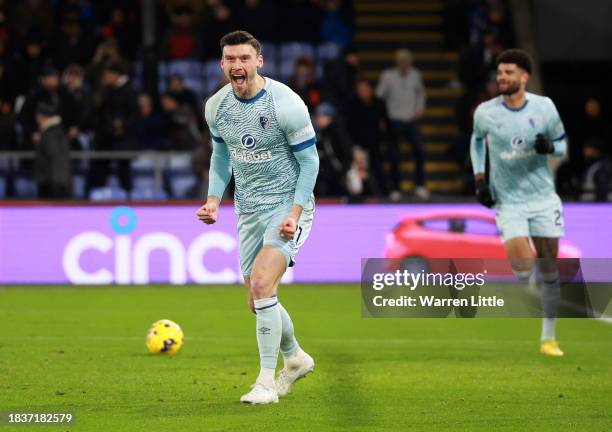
x,y
25,187
270,66
108,193
326,52
289,53
143,182
192,72
144,164
148,193
183,185
181,162
112,181
80,171
180,177
143,172
5,165
137,76
4,176
79,186
213,75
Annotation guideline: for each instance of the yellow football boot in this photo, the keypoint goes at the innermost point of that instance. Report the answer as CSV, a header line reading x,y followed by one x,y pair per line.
x,y
551,348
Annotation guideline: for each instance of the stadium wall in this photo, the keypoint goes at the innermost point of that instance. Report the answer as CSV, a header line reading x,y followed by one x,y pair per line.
x,y
140,244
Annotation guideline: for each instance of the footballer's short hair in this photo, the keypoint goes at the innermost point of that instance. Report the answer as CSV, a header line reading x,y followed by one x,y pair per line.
x,y
516,56
240,37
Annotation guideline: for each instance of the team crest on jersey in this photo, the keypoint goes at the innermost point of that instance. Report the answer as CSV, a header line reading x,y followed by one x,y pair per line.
x,y
518,142
264,121
248,141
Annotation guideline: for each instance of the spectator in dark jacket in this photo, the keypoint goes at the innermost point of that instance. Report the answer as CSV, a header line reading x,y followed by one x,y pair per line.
x,y
52,162
118,112
335,152
71,45
180,124
116,124
368,124
107,52
217,21
123,26
597,152
8,123
150,125
72,81
477,63
8,91
181,41
340,80
304,82
185,96
30,62
49,92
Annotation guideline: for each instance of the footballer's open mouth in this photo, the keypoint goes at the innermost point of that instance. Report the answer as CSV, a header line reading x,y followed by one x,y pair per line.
x,y
238,78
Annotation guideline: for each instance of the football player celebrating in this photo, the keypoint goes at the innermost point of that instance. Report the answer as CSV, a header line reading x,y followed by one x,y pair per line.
x,y
261,130
520,130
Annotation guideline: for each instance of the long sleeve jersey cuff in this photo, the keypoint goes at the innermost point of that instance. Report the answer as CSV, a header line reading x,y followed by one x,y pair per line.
x,y
477,154
560,146
308,159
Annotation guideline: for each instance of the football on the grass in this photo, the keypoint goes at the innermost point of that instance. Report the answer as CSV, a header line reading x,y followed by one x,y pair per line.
x,y
164,337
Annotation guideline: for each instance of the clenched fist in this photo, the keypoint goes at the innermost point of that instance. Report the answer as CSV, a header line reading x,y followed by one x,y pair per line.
x,y
208,212
288,227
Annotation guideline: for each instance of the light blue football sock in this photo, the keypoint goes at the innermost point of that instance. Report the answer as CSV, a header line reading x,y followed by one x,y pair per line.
x,y
288,343
551,295
268,329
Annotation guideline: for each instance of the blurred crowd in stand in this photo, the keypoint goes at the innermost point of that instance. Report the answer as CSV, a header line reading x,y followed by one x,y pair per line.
x,y
71,79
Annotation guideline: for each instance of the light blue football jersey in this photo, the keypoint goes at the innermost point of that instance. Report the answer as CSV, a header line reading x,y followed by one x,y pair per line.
x,y
517,172
261,135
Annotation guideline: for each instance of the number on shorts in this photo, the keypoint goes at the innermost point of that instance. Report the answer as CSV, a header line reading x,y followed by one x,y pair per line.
x,y
558,218
297,239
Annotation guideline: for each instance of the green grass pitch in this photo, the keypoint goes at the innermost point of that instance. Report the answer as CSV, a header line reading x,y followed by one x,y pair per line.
x,y
81,350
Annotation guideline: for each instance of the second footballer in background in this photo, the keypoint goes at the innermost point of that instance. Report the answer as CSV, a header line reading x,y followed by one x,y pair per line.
x,y
520,130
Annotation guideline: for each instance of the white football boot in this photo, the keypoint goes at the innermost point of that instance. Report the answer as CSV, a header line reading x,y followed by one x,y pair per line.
x,y
297,366
260,394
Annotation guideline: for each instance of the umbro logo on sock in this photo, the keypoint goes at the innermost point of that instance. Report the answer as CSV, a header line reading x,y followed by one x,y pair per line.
x,y
263,330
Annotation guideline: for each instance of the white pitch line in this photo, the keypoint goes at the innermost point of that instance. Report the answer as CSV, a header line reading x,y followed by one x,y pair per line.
x,y
375,341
